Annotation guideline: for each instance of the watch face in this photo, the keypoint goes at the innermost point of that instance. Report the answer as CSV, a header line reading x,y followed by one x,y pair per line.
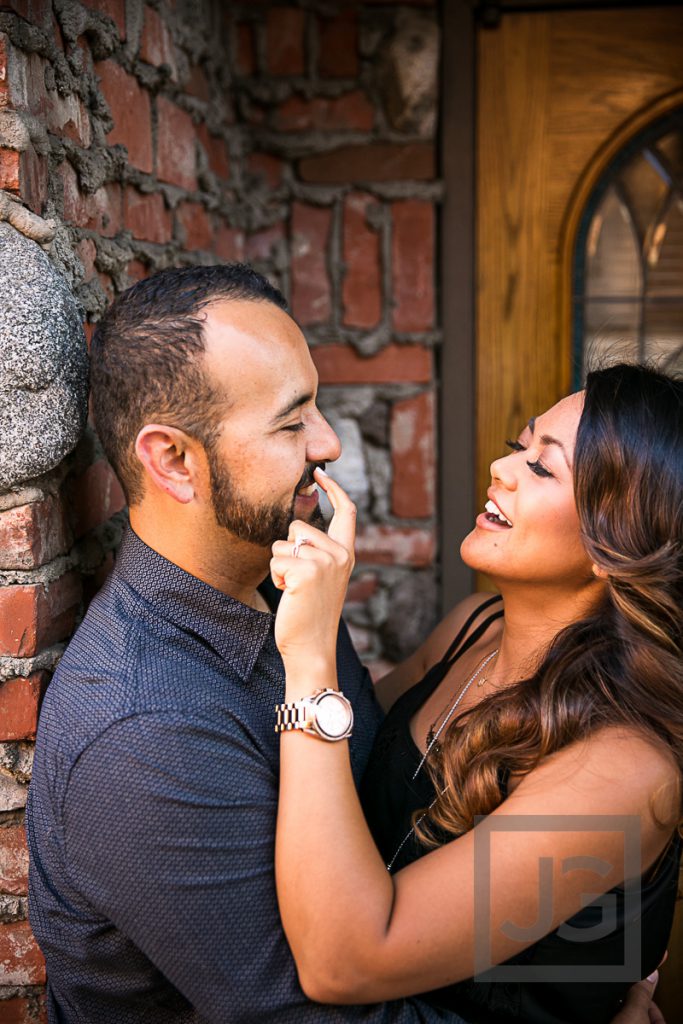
x,y
332,715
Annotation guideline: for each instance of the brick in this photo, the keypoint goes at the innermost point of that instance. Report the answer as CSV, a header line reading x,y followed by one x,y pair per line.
x,y
101,211
20,1010
413,449
361,638
260,244
156,45
395,545
361,588
114,9
245,51
362,284
86,251
412,265
311,290
195,225
31,535
146,216
19,703
229,243
22,962
10,161
352,112
67,116
132,113
338,46
5,97
33,616
197,84
107,286
266,167
378,161
18,621
92,583
176,139
395,364
94,497
216,151
285,41
136,270
33,179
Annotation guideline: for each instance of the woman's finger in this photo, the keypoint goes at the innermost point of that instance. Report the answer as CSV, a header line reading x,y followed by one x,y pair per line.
x,y
638,1006
342,528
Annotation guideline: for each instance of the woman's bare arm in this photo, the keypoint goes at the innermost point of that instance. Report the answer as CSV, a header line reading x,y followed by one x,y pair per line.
x,y
359,935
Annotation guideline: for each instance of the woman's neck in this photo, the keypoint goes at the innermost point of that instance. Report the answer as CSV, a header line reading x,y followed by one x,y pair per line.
x,y
533,618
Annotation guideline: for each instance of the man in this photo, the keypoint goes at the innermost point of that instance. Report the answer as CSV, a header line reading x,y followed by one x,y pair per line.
x,y
151,815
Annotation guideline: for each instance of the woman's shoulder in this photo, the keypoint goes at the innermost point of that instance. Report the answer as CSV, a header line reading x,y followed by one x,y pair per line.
x,y
617,769
461,621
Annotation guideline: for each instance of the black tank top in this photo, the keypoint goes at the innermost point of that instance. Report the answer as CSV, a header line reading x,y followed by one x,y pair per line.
x,y
390,795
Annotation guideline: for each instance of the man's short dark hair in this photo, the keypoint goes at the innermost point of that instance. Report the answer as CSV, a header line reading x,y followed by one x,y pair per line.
x,y
146,359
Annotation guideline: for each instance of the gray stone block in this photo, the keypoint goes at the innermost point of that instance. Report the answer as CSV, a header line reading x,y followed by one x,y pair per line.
x,y
43,362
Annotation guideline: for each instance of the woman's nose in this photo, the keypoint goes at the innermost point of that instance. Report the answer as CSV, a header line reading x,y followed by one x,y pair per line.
x,y
504,471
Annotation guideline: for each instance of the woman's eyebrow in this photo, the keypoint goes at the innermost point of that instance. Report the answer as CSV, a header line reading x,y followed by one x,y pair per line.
x,y
547,439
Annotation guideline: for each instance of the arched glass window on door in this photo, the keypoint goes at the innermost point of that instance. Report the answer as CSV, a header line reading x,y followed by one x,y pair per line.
x,y
628,272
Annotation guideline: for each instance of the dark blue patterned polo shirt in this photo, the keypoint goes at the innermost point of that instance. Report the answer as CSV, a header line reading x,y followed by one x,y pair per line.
x,y
151,814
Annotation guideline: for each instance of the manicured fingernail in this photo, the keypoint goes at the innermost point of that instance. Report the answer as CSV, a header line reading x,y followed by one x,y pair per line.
x,y
653,978
319,469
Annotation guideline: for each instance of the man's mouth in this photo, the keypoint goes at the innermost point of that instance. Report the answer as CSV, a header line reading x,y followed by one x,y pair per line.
x,y
494,515
308,491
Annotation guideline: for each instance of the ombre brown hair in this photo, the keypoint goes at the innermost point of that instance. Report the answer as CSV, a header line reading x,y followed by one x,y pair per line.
x,y
622,665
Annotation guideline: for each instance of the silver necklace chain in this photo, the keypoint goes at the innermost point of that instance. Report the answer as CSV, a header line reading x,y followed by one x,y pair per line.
x,y
475,675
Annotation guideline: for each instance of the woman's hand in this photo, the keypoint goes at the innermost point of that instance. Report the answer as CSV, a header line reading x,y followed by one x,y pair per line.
x,y
313,569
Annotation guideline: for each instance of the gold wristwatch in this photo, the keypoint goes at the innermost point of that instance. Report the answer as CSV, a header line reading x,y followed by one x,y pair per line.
x,y
326,714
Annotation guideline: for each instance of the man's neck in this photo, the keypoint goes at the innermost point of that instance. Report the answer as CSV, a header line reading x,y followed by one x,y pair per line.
x,y
213,555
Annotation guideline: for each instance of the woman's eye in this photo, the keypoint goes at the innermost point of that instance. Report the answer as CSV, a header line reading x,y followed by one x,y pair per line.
x,y
538,469
516,446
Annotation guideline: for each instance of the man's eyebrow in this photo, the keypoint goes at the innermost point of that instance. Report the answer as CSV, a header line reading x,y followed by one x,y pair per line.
x,y
296,403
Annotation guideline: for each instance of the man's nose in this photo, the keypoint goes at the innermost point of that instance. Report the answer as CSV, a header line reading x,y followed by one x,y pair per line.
x,y
323,444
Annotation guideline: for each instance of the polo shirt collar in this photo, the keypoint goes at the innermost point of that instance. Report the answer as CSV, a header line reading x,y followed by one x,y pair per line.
x,y
234,630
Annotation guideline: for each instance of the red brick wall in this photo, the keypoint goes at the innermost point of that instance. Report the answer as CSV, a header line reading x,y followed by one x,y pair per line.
x,y
262,131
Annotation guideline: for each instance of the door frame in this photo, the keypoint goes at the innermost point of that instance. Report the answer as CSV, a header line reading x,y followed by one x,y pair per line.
x,y
456,358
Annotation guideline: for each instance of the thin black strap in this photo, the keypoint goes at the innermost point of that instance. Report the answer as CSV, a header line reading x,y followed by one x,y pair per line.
x,y
463,631
474,636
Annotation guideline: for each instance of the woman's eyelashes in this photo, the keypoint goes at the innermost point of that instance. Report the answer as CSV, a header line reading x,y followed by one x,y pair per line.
x,y
536,467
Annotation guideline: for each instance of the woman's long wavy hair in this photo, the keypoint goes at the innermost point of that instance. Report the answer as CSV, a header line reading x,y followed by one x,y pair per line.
x,y
623,663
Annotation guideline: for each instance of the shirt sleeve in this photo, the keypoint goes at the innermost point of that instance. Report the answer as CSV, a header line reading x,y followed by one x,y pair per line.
x,y
169,829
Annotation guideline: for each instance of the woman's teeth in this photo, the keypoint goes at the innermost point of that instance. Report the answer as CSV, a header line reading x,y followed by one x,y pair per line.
x,y
495,513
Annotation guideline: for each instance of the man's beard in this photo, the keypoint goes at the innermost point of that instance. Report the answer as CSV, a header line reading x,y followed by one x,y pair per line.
x,y
258,524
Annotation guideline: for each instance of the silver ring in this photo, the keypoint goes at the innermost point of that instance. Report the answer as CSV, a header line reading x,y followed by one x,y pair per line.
x,y
298,544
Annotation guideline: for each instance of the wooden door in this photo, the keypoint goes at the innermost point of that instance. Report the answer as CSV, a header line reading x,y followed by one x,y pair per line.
x,y
558,91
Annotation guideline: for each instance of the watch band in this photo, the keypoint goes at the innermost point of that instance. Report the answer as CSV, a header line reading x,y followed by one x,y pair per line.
x,y
290,716
311,715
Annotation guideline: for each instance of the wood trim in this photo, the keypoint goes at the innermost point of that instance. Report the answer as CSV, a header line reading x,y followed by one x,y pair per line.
x,y
456,367
584,189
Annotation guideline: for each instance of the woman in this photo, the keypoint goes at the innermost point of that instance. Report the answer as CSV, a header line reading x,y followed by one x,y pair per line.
x,y
559,721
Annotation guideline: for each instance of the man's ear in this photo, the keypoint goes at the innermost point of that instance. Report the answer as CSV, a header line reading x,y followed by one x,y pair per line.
x,y
170,459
